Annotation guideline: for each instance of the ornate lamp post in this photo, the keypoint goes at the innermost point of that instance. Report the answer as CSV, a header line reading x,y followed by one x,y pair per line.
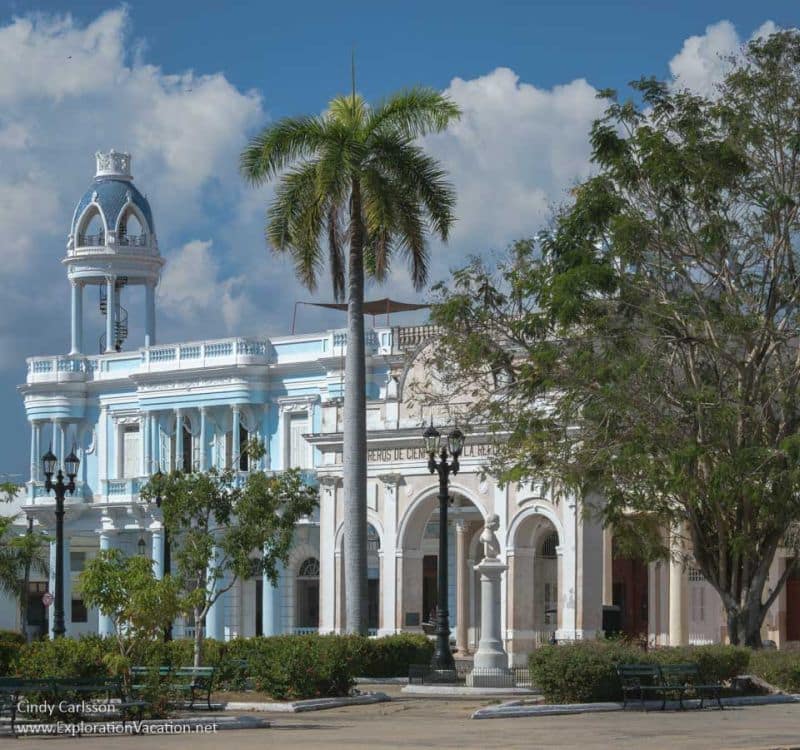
x,y
157,479
71,463
442,658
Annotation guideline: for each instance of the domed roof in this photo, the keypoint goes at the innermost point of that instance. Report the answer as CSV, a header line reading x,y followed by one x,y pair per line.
x,y
111,191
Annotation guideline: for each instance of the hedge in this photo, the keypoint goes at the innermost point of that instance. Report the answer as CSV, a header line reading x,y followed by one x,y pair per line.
x,y
586,672
779,668
285,667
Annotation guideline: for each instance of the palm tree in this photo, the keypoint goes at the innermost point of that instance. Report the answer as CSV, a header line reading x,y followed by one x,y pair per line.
x,y
354,178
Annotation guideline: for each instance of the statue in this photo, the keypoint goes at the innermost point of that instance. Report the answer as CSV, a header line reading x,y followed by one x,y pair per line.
x,y
491,546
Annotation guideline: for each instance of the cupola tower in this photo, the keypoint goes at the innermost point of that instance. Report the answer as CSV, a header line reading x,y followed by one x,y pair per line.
x,y
112,244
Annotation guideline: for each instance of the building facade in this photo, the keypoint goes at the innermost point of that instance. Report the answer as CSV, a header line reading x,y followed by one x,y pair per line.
x,y
131,410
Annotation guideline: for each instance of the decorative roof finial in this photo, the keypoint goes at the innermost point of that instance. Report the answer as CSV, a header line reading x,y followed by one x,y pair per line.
x,y
116,164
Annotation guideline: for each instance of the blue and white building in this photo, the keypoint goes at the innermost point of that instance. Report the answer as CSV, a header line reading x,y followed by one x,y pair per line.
x,y
130,408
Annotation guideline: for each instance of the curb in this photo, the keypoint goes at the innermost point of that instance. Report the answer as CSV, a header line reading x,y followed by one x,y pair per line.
x,y
513,709
460,691
314,704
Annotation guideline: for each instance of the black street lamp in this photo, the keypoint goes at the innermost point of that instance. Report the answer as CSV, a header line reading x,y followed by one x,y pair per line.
x,y
158,478
71,463
442,658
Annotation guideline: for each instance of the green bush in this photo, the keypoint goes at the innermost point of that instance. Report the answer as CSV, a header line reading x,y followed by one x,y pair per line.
x,y
65,657
779,668
12,636
391,656
586,672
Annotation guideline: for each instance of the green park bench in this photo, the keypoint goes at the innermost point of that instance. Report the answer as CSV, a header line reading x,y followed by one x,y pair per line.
x,y
76,698
653,681
188,681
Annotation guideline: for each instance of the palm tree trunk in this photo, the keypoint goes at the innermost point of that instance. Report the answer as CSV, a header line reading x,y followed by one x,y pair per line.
x,y
355,431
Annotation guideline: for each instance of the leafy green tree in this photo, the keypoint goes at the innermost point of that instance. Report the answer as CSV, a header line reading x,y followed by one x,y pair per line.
x,y
355,181
217,523
20,556
126,590
648,348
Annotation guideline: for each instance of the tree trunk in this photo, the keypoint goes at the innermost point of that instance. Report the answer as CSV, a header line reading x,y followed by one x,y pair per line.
x,y
355,432
198,637
744,623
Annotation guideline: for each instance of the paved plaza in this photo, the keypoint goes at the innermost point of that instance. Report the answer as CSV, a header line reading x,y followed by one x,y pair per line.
x,y
416,723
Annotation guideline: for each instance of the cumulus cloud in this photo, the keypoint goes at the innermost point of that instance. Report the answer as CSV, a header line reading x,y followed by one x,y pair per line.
x,y
192,288
705,59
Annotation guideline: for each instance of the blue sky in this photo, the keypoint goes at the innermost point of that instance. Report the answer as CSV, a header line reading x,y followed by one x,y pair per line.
x,y
182,85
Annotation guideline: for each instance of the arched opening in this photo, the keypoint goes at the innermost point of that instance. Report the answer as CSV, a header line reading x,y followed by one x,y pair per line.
x,y
131,230
629,591
373,579
307,596
419,541
533,584
92,232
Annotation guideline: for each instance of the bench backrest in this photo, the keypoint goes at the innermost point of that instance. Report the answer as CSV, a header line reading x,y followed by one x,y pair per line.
x,y
672,673
639,674
205,672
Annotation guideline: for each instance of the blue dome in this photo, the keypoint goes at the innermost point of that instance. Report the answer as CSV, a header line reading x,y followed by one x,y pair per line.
x,y
112,196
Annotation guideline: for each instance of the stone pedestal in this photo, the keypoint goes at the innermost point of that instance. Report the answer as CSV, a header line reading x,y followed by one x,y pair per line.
x,y
490,664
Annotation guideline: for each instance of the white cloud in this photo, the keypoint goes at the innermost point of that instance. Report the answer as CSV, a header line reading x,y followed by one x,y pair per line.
x,y
69,89
192,289
705,59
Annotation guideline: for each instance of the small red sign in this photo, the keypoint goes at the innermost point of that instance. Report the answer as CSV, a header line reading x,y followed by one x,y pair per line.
x,y
47,598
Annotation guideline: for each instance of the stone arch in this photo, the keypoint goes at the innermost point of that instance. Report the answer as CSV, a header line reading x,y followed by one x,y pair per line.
x,y
131,211
288,584
533,549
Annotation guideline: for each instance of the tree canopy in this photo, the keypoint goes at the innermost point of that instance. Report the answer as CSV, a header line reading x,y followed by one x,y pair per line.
x,y
646,346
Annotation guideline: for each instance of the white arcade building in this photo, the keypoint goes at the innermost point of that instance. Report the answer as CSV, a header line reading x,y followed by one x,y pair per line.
x,y
131,410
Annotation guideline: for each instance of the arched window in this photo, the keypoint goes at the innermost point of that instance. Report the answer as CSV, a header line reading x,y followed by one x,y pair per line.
x,y
307,591
549,544
92,231
309,568
131,231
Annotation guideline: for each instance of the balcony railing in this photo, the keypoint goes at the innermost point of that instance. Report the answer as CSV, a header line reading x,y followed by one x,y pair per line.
x,y
91,240
133,240
410,337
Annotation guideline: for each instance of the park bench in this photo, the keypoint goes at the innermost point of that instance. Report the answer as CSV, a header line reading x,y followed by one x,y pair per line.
x,y
74,698
189,681
643,681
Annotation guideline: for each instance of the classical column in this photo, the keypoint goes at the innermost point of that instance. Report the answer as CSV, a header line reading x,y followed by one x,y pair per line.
x,y
327,556
35,449
392,483
608,566
157,542
147,468
203,458
215,619
178,462
236,448
271,606
76,329
105,627
462,588
678,593
155,443
567,552
150,314
111,312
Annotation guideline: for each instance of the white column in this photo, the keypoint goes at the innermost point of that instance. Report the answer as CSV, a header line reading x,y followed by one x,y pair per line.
x,y
392,484
608,566
111,308
215,619
157,538
178,462
462,588
678,593
105,627
203,458
271,606
155,443
76,329
150,314
236,448
327,554
34,450
567,568
147,467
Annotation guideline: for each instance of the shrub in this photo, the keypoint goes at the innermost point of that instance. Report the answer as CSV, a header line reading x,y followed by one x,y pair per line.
x,y
65,657
586,672
779,668
392,655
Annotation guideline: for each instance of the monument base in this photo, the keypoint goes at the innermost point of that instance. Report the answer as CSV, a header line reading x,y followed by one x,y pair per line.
x,y
490,678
